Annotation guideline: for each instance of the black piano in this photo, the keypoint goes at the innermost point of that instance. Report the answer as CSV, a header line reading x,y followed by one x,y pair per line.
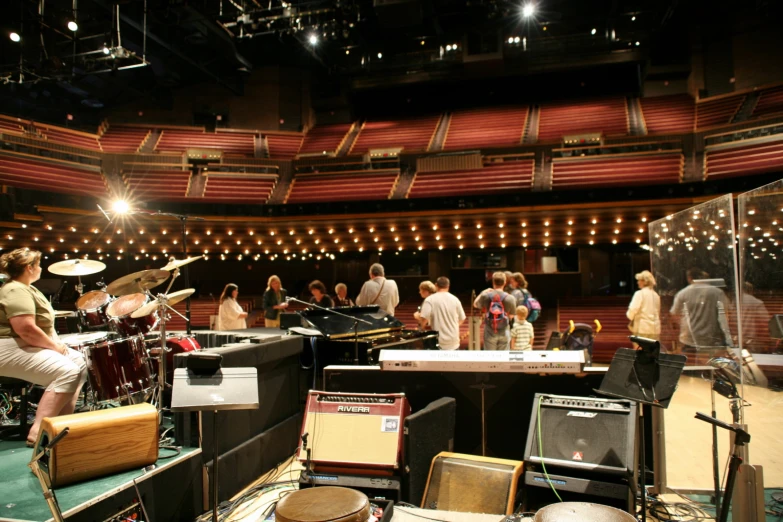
x,y
336,342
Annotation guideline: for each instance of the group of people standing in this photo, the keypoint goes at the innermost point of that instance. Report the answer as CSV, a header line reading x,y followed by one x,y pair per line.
x,y
504,313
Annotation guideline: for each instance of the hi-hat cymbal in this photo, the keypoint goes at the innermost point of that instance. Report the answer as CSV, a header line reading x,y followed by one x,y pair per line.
x,y
180,262
172,299
137,282
77,267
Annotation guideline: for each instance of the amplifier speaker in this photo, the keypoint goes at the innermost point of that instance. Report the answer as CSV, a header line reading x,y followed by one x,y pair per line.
x,y
596,435
473,484
99,443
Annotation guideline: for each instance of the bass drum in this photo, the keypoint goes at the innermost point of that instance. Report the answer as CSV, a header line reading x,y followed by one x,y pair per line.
x,y
118,370
174,344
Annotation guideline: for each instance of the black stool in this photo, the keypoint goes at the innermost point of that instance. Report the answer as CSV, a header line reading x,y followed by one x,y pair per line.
x,y
19,433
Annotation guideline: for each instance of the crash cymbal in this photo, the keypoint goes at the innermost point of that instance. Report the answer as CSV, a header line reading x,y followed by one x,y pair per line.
x,y
173,298
137,282
77,267
180,262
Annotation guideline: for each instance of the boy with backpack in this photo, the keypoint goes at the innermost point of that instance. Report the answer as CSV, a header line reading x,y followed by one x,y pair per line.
x,y
498,308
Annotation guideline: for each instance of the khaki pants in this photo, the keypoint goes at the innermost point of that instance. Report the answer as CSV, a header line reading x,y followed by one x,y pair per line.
x,y
57,372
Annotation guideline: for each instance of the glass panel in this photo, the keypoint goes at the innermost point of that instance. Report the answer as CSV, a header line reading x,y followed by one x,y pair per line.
x,y
760,225
693,262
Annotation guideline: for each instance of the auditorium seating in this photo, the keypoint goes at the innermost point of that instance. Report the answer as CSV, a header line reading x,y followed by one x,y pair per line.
x,y
344,186
283,146
668,114
30,172
608,116
180,139
10,124
754,156
324,138
500,177
412,134
123,139
157,184
482,128
617,170
239,188
770,103
69,137
718,111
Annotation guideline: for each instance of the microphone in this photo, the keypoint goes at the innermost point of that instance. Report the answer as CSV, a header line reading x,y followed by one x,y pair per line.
x,y
104,213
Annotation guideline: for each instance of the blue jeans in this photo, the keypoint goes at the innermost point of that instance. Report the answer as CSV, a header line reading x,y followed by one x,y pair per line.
x,y
496,341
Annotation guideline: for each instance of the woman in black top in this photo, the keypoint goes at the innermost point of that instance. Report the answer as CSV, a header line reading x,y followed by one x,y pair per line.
x,y
320,298
274,302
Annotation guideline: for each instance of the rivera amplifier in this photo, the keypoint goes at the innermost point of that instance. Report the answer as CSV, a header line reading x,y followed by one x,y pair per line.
x,y
348,431
99,443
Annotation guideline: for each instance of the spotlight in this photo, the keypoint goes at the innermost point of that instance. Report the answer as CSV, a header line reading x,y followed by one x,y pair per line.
x,y
347,51
120,206
14,37
313,39
593,31
105,49
448,47
516,39
380,55
528,10
633,18
638,44
73,26
510,40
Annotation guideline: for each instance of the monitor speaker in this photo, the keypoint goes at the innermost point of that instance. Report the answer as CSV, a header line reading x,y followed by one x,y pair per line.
x,y
590,434
473,484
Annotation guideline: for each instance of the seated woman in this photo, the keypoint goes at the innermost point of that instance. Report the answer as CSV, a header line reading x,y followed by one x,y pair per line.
x,y
320,298
29,346
231,316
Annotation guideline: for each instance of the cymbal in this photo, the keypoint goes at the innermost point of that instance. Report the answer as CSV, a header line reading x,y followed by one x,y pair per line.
x,y
64,313
77,267
180,262
173,298
137,282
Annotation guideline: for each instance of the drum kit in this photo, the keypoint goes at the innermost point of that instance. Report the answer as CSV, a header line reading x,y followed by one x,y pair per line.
x,y
129,356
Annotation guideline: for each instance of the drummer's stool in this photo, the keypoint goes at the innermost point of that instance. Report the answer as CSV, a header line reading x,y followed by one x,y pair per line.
x,y
11,384
324,504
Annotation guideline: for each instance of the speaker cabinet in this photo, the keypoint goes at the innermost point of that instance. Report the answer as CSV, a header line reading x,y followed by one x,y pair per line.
x,y
473,484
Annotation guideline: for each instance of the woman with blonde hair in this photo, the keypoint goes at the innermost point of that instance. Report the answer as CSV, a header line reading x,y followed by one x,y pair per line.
x,y
29,346
274,302
426,289
645,308
231,315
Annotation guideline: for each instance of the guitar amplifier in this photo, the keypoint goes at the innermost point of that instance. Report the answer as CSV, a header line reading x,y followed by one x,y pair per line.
x,y
99,443
348,431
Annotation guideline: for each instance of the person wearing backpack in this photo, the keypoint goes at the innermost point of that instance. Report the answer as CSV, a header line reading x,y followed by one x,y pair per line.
x,y
497,307
524,297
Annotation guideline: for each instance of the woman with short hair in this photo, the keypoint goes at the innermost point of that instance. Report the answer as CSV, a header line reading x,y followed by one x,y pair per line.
x,y
341,295
320,297
645,308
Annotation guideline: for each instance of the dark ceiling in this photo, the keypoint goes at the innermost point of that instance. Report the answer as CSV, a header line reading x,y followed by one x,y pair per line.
x,y
165,44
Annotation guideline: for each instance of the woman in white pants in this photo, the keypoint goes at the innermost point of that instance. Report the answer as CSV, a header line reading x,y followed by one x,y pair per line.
x,y
29,347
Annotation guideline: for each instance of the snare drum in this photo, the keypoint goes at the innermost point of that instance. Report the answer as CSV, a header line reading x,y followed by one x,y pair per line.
x,y
120,310
81,340
92,308
119,370
175,344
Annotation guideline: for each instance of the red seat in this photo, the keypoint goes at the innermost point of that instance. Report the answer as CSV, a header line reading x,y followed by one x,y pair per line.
x,y
494,177
245,189
324,138
124,139
157,184
605,116
482,128
668,114
283,146
345,186
770,102
412,134
717,111
618,170
52,176
176,140
743,159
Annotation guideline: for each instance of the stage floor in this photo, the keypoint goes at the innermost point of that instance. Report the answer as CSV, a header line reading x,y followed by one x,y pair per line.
x,y
21,497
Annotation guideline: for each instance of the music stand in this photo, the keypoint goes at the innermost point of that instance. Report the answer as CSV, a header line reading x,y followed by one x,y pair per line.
x,y
205,386
645,376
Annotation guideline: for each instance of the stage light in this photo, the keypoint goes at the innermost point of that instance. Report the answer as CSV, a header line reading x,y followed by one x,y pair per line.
x,y
380,55
638,44
73,26
528,10
633,18
120,206
15,37
347,51
516,39
313,39
593,31
105,49
510,40
448,47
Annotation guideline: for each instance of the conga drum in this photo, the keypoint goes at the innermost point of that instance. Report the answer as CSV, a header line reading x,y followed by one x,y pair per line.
x,y
323,504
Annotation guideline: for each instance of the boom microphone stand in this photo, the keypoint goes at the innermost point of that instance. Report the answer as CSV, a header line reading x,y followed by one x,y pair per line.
x,y
355,320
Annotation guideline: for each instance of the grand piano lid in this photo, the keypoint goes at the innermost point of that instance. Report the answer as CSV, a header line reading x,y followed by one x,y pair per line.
x,y
335,326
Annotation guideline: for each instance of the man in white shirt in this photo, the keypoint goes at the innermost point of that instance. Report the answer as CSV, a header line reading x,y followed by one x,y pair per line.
x,y
443,311
379,290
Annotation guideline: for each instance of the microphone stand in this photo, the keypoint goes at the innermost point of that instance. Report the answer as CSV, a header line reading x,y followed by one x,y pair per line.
x,y
355,320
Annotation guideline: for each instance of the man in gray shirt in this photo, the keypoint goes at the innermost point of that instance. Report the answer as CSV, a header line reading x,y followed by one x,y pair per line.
x,y
496,329
379,290
701,310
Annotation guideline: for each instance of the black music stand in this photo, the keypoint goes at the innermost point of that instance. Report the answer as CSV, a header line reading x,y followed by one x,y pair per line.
x,y
645,376
205,386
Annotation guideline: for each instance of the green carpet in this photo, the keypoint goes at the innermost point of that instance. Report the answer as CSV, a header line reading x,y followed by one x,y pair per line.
x,y
773,507
21,496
